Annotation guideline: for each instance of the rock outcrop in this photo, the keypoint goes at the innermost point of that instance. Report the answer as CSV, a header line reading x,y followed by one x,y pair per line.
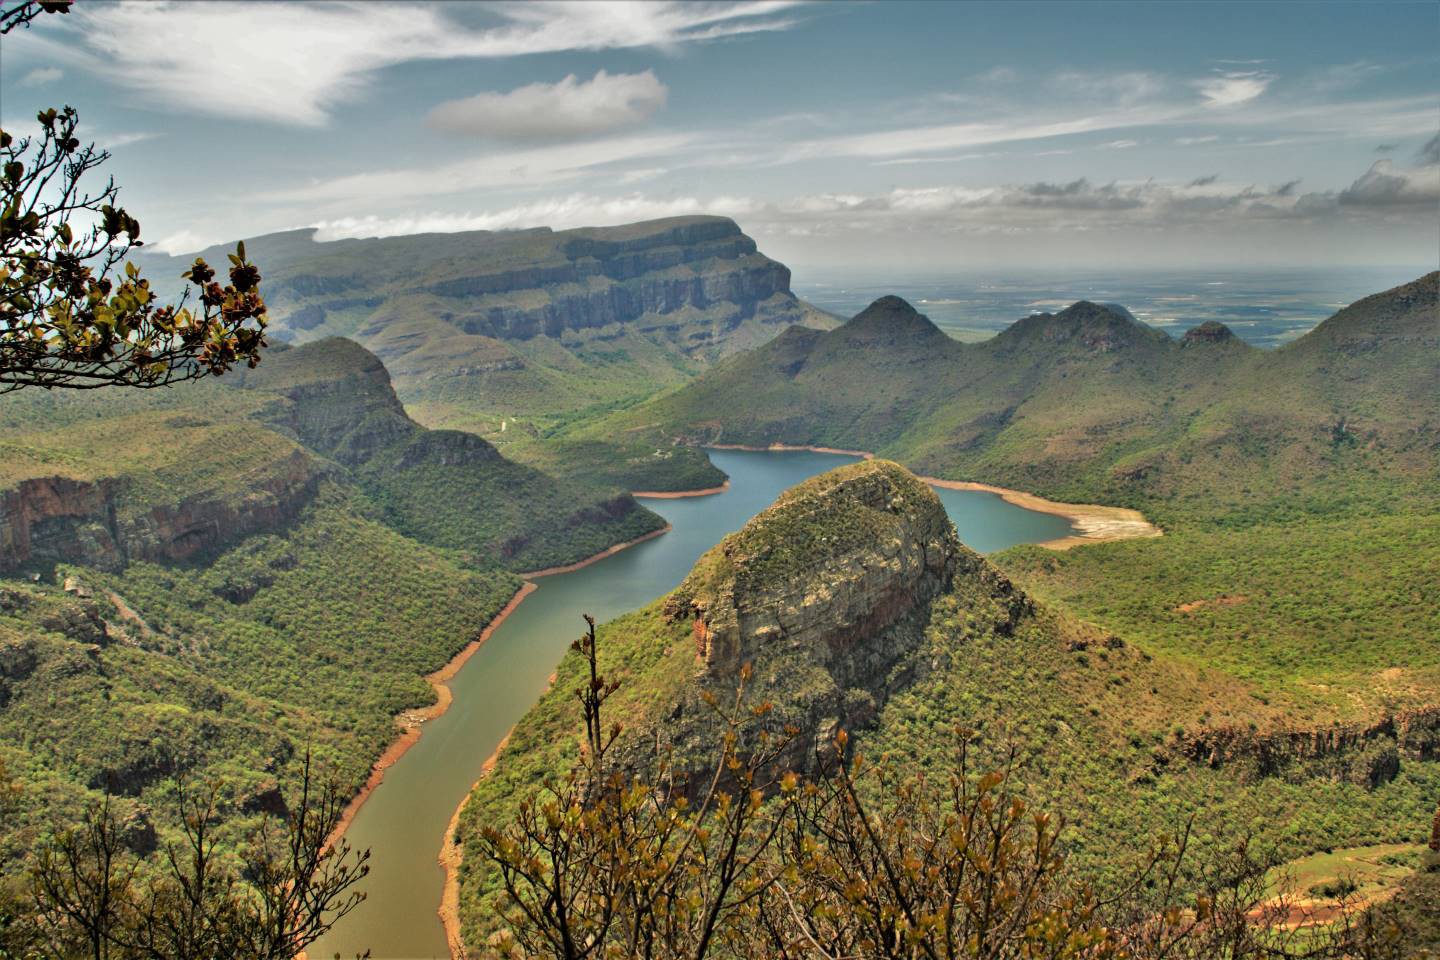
x,y
1365,754
58,518
1211,331
835,561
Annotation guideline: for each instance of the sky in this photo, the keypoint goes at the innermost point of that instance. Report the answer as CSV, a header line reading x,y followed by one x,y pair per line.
x,y
883,135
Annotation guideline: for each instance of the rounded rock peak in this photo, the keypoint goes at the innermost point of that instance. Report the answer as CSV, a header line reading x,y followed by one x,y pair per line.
x,y
1211,331
890,303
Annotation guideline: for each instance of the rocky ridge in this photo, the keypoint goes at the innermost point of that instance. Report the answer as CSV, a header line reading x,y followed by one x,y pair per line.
x,y
58,518
837,558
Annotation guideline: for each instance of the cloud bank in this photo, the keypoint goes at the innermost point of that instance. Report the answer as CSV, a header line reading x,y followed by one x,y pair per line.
x,y
569,110
293,63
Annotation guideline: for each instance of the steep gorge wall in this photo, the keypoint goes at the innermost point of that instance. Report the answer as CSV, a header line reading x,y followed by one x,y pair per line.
x,y
574,280
61,519
1365,754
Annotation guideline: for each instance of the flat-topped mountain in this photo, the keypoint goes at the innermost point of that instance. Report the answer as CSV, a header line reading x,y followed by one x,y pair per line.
x,y
482,326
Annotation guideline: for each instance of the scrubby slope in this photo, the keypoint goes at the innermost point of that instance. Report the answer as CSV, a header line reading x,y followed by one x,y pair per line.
x,y
855,605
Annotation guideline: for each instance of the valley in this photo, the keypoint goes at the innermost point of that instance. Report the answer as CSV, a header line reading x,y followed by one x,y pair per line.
x,y
1204,581
719,480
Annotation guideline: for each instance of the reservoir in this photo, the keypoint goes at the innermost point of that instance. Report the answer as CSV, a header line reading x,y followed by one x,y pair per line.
x,y
404,821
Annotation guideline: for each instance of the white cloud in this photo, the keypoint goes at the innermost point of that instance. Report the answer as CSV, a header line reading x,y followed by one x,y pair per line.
x,y
41,76
182,241
1038,207
293,62
1233,87
889,143
576,210
1119,144
1386,185
567,110
113,140
516,169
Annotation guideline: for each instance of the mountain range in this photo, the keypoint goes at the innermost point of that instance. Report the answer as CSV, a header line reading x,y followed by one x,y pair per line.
x,y
200,580
1085,403
528,325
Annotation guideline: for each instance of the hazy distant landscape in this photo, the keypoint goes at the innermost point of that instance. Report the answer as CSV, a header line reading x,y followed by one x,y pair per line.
x,y
1263,307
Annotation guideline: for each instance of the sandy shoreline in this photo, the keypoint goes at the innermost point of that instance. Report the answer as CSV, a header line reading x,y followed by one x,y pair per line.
x,y
415,720
1093,523
680,494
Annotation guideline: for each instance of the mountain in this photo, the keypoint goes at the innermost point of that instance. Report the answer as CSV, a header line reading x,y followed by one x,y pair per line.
x,y
855,606
442,487
211,579
482,326
220,461
1085,403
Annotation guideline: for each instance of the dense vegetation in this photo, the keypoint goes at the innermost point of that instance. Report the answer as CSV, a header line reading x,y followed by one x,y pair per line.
x,y
313,638
241,571
1107,724
1292,597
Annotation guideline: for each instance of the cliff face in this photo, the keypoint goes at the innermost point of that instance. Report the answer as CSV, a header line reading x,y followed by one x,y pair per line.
x,y
58,518
835,560
337,400
1368,755
594,281
516,285
826,596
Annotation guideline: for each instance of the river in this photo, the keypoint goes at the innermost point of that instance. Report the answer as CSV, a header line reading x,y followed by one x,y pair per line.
x,y
404,820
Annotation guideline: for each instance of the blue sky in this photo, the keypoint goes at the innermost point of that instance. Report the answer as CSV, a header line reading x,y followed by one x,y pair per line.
x,y
918,135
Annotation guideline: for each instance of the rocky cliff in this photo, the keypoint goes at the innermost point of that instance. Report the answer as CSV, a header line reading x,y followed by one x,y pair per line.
x,y
107,521
1365,754
837,559
826,596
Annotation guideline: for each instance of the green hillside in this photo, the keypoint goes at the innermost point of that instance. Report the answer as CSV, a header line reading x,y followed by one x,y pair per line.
x,y
207,581
1296,487
311,637
1122,734
1090,404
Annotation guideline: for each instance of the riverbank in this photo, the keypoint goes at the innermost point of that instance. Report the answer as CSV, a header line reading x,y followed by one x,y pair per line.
x,y
451,853
414,720
862,454
608,552
1093,522
680,494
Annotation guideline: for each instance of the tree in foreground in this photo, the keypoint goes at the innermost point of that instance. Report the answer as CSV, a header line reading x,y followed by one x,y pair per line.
x,y
73,312
859,861
90,898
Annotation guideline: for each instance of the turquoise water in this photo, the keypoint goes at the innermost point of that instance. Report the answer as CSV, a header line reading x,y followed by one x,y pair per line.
x,y
404,820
